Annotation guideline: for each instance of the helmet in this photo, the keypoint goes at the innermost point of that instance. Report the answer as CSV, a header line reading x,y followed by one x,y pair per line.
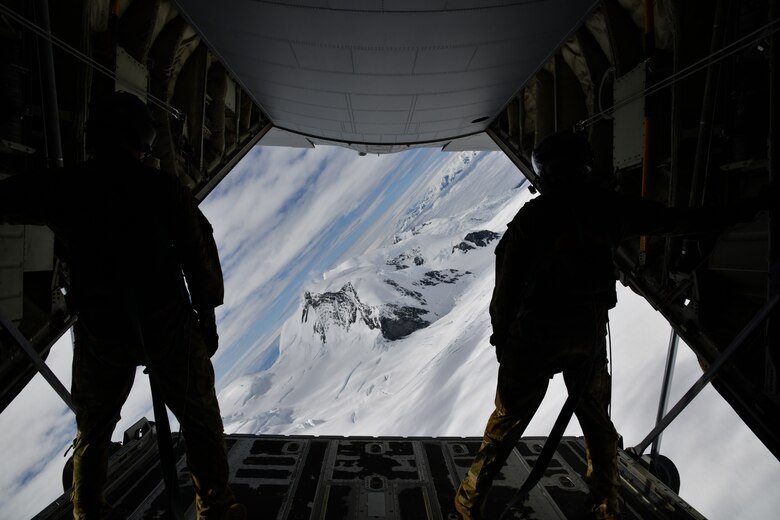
x,y
120,121
562,159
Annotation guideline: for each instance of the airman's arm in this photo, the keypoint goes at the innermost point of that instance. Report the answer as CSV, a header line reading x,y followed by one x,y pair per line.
x,y
512,283
194,240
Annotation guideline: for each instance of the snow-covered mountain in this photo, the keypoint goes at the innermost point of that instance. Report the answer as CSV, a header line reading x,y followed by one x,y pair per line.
x,y
394,342
375,342
401,239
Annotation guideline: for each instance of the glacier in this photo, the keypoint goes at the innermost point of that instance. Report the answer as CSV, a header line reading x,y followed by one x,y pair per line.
x,y
383,342
338,373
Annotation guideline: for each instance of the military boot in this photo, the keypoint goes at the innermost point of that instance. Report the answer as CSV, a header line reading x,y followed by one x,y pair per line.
x,y
607,509
469,504
467,513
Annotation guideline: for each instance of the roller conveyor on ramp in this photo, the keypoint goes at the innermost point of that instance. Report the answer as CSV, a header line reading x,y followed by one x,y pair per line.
x,y
389,478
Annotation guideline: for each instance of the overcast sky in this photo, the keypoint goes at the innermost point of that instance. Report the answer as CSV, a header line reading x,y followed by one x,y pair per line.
x,y
282,216
285,216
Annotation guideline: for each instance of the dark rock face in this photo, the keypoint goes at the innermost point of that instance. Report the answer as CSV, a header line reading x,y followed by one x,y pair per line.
x,y
476,239
397,322
445,276
482,238
342,308
405,259
464,246
406,292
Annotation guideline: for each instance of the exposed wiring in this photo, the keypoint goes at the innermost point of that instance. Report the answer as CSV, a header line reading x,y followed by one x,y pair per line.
x,y
746,41
606,74
32,26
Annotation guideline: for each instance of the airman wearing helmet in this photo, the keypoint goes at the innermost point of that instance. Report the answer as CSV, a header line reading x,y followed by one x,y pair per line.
x,y
132,236
554,286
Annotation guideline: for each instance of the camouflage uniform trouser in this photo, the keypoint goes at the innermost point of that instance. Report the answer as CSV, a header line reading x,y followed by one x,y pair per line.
x,y
548,346
186,380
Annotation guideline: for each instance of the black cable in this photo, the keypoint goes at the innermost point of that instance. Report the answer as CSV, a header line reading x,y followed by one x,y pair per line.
x,y
165,448
727,51
555,436
32,26
162,425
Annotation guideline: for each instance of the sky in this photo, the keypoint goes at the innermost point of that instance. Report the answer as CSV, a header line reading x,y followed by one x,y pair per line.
x,y
297,214
284,217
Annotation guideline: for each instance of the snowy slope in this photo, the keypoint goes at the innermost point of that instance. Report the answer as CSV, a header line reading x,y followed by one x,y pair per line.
x,y
386,342
339,372
437,380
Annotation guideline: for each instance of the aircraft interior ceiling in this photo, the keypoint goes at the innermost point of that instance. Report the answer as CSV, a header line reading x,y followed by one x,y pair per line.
x,y
683,113
382,76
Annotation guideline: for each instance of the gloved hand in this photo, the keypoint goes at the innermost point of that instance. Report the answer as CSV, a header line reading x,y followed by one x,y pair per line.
x,y
208,327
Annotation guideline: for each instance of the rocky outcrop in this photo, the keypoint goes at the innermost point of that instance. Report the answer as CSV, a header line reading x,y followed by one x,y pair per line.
x,y
401,313
397,321
406,259
443,276
342,308
406,292
476,239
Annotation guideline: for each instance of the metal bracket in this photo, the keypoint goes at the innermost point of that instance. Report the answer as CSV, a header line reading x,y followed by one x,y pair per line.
x,y
663,402
699,385
42,367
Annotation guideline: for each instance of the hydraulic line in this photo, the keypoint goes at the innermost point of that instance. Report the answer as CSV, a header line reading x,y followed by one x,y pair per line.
x,y
666,387
48,83
709,96
647,139
738,45
95,65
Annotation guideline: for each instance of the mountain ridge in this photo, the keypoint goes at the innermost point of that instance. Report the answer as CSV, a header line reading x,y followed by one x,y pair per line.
x,y
370,331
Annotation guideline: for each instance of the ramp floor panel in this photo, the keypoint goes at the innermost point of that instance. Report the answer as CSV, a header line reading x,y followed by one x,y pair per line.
x,y
340,478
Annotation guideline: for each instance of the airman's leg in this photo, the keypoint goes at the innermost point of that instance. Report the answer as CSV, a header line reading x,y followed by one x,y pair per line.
x,y
187,382
601,438
517,399
98,392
